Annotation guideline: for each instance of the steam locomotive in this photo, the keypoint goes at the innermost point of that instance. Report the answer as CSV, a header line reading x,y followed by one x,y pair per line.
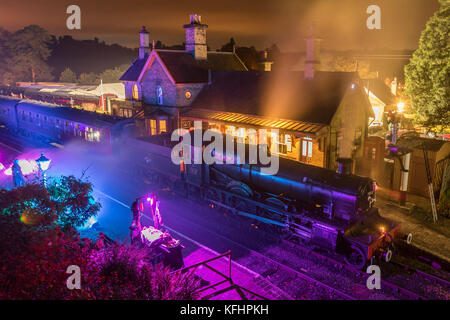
x,y
334,211
331,210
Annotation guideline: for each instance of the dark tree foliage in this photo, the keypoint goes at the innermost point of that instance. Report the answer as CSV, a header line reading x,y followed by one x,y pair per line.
x,y
428,73
26,54
85,56
73,201
38,243
66,202
68,76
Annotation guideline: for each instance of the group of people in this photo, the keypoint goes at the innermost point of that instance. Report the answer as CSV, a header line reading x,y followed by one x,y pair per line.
x,y
138,210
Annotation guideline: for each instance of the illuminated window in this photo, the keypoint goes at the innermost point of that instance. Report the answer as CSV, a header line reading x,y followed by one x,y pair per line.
x,y
307,146
162,126
230,130
288,142
152,127
188,95
159,95
135,92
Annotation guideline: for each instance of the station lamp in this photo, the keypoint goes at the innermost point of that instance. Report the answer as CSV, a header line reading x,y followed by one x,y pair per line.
x,y
43,162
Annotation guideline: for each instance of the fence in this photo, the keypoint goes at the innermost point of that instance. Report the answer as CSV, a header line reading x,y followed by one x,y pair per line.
x,y
227,278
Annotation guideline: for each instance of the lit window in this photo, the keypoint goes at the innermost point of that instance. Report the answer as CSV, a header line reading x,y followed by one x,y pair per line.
x,y
307,146
162,126
135,92
152,127
188,95
159,95
288,142
230,130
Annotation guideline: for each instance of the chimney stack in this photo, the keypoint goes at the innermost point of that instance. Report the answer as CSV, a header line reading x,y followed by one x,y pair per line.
x,y
196,37
144,43
265,62
312,61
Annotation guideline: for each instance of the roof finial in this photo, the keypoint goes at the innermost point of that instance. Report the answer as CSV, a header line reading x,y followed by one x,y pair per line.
x,y
153,44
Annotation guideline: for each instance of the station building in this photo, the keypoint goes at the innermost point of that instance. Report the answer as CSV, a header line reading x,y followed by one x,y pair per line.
x,y
314,117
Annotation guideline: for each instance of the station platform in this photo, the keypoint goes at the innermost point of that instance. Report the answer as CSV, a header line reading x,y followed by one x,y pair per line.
x,y
416,218
224,279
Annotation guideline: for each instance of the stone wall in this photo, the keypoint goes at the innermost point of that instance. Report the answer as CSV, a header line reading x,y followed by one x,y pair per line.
x,y
154,77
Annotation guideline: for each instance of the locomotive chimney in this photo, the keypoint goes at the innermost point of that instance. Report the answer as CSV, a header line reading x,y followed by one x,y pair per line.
x,y
344,166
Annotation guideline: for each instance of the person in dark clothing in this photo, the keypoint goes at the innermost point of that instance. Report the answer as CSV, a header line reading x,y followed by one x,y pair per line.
x,y
136,226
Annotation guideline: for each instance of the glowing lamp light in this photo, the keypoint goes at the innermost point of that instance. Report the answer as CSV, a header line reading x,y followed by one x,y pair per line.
x,y
353,86
91,221
43,162
401,106
382,229
27,168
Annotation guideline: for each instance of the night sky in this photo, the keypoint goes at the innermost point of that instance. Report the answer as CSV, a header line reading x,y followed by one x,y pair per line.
x,y
341,23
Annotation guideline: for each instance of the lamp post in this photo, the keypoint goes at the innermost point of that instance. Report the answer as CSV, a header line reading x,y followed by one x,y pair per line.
x,y
43,163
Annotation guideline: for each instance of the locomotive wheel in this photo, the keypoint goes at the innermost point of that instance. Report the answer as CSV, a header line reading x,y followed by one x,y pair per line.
x,y
238,204
356,257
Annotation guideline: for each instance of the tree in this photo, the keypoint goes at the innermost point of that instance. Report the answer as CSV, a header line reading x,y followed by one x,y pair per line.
x,y
28,51
66,202
73,201
38,243
88,78
113,75
428,73
68,76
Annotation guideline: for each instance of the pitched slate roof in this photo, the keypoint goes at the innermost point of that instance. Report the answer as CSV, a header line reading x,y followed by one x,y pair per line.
x,y
380,90
282,95
420,142
265,122
134,71
184,68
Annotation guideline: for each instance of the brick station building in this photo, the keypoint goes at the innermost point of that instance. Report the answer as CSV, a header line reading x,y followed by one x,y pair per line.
x,y
320,116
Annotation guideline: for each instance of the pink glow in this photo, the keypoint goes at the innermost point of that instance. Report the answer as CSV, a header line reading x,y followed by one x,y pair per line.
x,y
27,166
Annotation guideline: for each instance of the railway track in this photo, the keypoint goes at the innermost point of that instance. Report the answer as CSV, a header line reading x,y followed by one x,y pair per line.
x,y
257,258
393,285
356,278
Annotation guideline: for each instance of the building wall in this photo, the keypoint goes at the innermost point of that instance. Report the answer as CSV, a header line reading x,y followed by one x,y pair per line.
x,y
156,76
128,89
181,89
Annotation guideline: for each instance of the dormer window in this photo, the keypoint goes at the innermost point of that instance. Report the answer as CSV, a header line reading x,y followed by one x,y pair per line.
x,y
159,95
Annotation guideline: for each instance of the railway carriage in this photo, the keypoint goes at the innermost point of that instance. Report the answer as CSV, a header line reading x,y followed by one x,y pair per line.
x,y
52,123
